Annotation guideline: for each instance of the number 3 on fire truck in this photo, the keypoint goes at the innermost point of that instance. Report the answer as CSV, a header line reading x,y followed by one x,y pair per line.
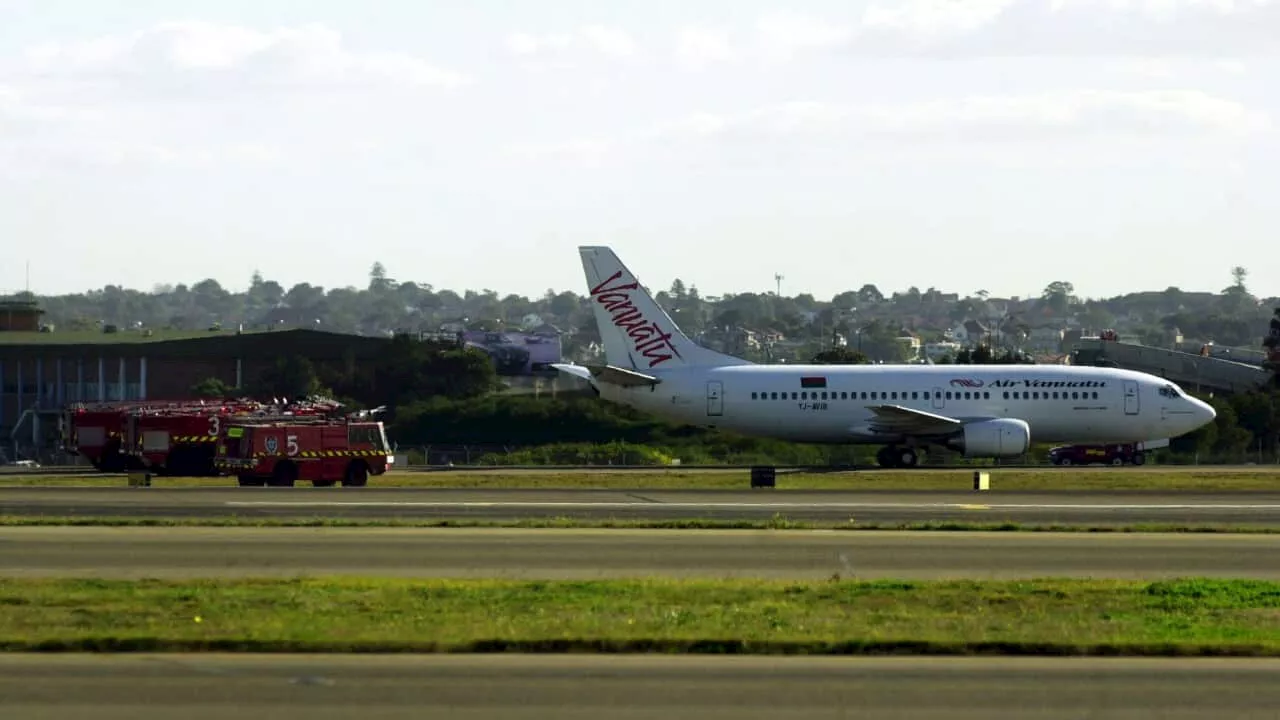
x,y
214,425
291,445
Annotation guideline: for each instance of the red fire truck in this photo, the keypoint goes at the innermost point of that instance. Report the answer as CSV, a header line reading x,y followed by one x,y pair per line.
x,y
96,431
322,451
1097,454
181,441
167,437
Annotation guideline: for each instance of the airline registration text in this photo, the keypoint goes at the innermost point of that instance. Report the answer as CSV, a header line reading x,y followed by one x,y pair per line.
x,y
812,405
648,338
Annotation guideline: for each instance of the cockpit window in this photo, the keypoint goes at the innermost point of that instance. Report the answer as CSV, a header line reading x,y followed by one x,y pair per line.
x,y
1170,391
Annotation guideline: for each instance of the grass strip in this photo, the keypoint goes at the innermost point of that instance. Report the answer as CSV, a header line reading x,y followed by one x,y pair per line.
x,y
1191,617
778,522
1126,478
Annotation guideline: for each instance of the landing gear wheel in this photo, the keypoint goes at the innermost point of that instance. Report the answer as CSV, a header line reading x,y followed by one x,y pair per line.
x,y
907,457
1139,458
1118,462
1064,461
886,458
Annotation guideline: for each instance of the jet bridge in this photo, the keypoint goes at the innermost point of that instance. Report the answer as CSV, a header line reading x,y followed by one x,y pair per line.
x,y
1193,372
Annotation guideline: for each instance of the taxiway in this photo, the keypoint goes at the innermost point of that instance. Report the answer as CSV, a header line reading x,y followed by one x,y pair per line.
x,y
209,687
1078,507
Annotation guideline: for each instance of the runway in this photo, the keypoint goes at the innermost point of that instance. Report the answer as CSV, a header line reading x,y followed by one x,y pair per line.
x,y
398,687
1100,508
181,552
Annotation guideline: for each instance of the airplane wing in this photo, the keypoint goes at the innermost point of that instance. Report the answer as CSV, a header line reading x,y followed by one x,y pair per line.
x,y
899,420
608,373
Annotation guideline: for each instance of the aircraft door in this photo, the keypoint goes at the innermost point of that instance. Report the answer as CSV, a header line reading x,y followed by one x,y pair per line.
x,y
938,402
715,398
1131,405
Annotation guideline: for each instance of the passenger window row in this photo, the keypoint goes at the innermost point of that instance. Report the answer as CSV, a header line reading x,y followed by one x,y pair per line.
x,y
917,395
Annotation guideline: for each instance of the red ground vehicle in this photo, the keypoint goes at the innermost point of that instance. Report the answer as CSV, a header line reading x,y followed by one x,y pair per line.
x,y
1097,454
96,431
325,452
181,441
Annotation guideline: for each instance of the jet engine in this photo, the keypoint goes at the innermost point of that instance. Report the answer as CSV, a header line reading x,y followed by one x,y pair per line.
x,y
1003,438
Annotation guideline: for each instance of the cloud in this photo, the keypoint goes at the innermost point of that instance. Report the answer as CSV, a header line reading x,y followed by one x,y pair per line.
x,y
698,47
993,28
34,156
590,152
196,95
229,56
551,50
964,120
1082,111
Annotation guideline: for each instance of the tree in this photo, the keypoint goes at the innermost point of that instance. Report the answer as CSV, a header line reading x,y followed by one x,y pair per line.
x,y
1238,276
840,356
870,293
210,388
289,377
1059,296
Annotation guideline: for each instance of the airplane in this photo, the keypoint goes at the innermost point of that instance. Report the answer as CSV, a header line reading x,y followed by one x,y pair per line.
x,y
981,411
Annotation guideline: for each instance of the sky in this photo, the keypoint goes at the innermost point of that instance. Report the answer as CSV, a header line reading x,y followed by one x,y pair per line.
x,y
998,145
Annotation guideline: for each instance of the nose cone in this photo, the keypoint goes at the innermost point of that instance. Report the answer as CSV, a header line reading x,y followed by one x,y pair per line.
x,y
1205,413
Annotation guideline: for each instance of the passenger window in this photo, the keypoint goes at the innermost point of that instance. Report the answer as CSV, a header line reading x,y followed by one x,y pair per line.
x,y
1035,395
1095,394
895,395
986,395
753,396
773,396
1055,395
844,395
948,394
1075,396
1006,394
915,395
824,394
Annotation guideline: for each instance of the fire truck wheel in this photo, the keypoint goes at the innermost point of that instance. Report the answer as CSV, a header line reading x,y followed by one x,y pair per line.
x,y
357,474
324,483
284,476
250,481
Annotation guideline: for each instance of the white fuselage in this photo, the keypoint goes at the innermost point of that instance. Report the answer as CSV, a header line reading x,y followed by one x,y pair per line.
x,y
1067,404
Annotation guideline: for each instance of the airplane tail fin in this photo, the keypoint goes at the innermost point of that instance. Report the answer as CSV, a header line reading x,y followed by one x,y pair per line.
x,y
637,333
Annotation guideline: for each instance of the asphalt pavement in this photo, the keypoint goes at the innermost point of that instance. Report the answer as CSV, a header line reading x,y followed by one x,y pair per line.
x,y
150,552
208,687
1079,507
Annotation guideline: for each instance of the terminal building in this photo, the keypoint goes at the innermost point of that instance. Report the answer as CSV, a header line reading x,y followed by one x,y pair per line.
x,y
41,372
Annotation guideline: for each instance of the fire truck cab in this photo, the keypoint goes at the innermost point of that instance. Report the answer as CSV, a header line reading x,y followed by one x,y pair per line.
x,y
325,452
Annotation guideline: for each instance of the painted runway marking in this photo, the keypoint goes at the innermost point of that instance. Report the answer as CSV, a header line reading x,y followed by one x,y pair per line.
x,y
730,505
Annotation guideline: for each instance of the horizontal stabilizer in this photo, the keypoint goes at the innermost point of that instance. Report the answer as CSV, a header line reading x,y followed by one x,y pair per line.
x,y
609,374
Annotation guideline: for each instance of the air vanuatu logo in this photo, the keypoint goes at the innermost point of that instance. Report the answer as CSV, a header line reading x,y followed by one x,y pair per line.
x,y
273,444
967,382
647,337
